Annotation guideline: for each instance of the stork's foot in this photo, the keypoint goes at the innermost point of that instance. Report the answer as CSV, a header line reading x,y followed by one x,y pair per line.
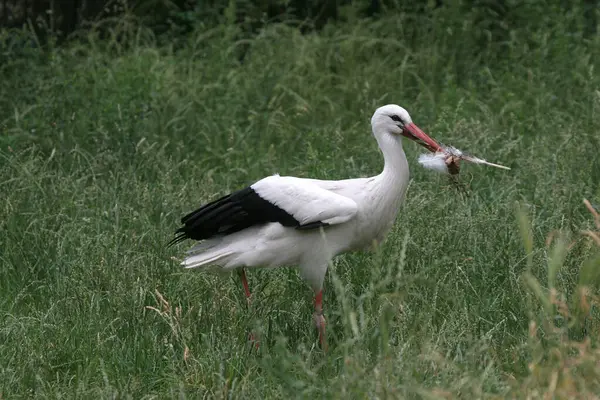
x,y
320,324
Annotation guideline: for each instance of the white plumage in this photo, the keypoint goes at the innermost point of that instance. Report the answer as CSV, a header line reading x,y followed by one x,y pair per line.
x,y
435,161
289,221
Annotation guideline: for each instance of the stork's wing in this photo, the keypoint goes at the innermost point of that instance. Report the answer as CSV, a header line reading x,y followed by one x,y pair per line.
x,y
293,202
305,201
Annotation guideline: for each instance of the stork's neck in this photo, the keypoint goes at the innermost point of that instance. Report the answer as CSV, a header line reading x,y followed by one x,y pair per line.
x,y
395,169
387,191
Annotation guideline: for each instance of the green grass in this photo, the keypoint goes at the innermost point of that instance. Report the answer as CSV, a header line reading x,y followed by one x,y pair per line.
x,y
105,144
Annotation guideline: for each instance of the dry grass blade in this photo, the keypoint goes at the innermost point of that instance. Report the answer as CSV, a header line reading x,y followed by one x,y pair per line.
x,y
594,235
593,211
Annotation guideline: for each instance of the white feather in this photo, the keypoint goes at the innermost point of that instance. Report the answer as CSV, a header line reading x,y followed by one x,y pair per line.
x,y
434,161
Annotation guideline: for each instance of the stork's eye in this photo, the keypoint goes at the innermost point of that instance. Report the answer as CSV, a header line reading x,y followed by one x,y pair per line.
x,y
396,118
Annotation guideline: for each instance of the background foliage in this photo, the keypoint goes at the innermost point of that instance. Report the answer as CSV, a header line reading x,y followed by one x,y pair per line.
x,y
110,133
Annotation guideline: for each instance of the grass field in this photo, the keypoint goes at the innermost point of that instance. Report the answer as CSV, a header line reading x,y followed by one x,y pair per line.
x,y
105,144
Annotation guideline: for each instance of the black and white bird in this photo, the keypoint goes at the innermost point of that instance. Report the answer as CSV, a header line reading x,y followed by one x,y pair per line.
x,y
288,221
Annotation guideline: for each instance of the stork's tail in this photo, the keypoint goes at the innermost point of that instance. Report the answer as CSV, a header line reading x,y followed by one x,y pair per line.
x,y
208,252
214,257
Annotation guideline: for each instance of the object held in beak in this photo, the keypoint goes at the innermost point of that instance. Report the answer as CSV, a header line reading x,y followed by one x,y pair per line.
x,y
447,160
453,164
450,161
444,158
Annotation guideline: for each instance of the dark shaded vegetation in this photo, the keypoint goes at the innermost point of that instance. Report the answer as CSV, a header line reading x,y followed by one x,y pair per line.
x,y
61,18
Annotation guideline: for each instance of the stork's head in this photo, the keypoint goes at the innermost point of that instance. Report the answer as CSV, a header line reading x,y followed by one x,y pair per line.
x,y
395,120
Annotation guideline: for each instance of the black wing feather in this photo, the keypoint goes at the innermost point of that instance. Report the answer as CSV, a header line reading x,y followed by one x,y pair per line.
x,y
232,213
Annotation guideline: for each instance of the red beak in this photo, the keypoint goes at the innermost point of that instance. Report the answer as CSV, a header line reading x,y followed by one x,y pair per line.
x,y
415,133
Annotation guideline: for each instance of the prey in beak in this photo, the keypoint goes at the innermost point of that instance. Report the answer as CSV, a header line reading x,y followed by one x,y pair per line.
x,y
415,133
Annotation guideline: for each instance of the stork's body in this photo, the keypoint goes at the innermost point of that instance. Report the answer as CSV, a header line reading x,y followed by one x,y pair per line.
x,y
288,221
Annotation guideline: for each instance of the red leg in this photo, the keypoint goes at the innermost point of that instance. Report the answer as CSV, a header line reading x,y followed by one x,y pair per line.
x,y
320,320
245,283
251,337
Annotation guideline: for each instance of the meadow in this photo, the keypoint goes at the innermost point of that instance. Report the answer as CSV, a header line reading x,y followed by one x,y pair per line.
x,y
484,291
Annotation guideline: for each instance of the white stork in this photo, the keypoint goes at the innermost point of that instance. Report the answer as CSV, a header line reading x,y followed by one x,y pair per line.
x,y
289,221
